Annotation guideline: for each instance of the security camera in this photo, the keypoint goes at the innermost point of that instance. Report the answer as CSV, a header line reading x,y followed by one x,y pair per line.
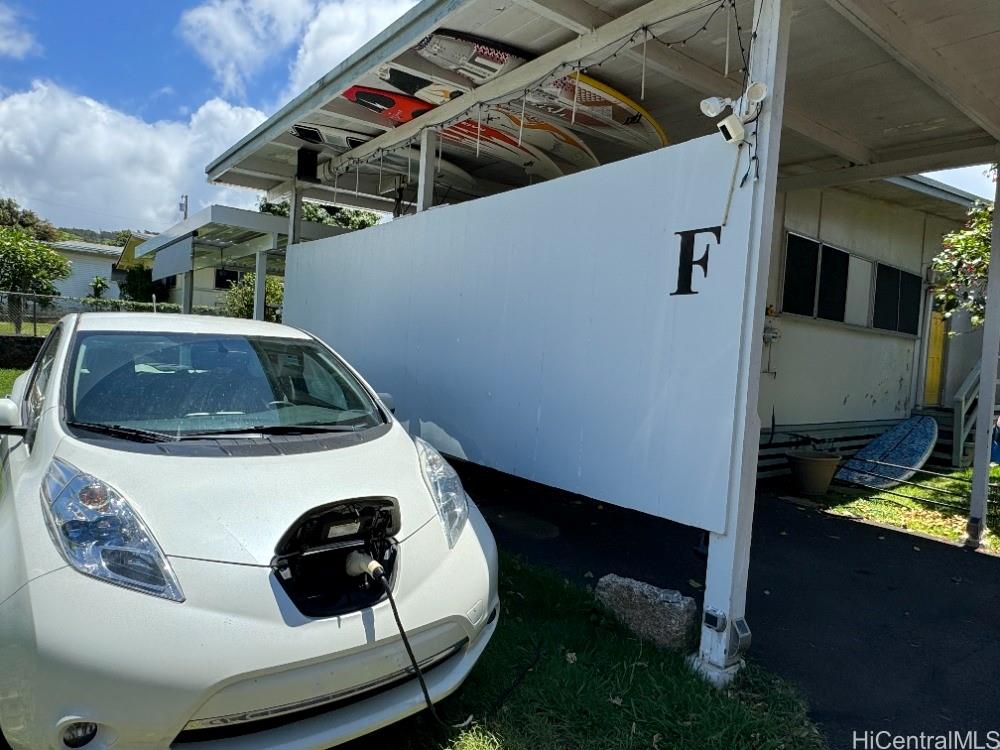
x,y
732,129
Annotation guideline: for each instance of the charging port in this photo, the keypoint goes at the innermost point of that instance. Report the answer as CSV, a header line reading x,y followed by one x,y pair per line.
x,y
310,561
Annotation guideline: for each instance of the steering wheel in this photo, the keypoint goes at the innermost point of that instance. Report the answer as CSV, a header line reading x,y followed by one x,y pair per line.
x,y
280,404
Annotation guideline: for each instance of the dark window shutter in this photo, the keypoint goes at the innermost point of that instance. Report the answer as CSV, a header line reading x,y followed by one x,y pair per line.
x,y
832,298
886,313
800,275
909,302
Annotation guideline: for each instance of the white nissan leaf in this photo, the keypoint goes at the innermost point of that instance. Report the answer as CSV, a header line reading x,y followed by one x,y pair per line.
x,y
207,526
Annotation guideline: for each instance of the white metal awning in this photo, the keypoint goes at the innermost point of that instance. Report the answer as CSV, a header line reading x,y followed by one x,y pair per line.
x,y
224,237
876,88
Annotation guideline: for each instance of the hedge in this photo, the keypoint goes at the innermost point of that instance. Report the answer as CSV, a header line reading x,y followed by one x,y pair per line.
x,y
99,304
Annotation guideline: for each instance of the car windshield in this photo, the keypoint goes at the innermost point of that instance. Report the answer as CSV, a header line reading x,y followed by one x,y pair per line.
x,y
183,385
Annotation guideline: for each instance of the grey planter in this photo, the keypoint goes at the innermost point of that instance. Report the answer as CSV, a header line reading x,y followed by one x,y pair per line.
x,y
813,470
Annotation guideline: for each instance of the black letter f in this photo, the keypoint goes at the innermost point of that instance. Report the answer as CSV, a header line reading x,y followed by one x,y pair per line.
x,y
686,262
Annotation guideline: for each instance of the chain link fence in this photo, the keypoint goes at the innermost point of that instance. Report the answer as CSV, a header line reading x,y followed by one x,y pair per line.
x,y
35,314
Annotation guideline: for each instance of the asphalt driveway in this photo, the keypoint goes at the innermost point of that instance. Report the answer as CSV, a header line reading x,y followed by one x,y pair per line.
x,y
880,630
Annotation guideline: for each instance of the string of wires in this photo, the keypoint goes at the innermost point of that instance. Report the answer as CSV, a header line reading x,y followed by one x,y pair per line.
x,y
563,70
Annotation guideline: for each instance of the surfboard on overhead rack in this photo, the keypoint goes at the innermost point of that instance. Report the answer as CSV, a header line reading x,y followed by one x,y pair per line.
x,y
580,101
403,162
470,135
558,142
892,457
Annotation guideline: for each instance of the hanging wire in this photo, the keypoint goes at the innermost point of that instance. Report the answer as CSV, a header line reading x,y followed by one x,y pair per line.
x,y
380,157
729,20
642,86
479,128
576,95
520,125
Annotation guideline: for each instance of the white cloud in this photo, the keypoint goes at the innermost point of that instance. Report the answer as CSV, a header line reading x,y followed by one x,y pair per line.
x,y
79,162
236,38
337,30
15,40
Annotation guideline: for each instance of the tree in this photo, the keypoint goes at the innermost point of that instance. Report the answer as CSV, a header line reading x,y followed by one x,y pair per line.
x,y
27,266
12,215
348,218
238,301
963,263
138,286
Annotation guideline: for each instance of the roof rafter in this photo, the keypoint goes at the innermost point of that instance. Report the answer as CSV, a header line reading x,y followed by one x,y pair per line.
x,y
876,20
580,17
925,162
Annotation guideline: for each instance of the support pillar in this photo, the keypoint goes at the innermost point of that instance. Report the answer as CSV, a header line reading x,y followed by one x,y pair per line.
x,y
187,300
260,280
987,395
724,632
295,214
429,140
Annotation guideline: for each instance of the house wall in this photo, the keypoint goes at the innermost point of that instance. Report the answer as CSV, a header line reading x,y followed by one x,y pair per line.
x,y
205,292
822,371
84,268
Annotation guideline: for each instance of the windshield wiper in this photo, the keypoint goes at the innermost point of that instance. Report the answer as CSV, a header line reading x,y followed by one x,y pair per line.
x,y
272,429
117,430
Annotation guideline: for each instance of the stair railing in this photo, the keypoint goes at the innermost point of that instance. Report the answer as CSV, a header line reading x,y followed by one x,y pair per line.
x,y
964,406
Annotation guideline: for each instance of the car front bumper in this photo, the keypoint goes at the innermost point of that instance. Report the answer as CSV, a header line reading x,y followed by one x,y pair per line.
x,y
221,666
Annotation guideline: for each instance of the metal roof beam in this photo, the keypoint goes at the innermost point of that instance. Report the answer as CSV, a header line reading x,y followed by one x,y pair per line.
x,y
657,12
580,17
908,165
877,21
403,33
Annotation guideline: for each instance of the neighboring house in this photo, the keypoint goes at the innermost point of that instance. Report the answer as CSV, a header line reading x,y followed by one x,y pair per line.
x,y
87,260
851,340
209,283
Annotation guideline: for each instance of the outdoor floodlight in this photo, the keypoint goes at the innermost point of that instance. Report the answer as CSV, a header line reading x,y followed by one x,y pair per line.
x,y
756,93
715,106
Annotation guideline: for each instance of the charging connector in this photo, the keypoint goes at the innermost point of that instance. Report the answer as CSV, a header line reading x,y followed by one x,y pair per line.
x,y
359,564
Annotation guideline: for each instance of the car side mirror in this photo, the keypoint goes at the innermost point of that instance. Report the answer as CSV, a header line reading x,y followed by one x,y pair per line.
x,y
10,418
388,401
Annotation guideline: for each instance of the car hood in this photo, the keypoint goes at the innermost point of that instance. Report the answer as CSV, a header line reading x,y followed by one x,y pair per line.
x,y
235,509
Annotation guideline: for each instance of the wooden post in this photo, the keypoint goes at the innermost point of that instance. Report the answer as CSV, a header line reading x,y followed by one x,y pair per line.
x,y
987,395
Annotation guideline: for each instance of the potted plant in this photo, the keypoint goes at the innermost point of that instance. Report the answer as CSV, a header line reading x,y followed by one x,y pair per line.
x,y
813,467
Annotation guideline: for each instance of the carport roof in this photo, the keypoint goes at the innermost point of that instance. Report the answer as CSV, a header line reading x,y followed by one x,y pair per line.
x,y
221,236
875,88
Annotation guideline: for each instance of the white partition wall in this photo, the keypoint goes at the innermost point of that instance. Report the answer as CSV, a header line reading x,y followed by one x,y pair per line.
x,y
583,333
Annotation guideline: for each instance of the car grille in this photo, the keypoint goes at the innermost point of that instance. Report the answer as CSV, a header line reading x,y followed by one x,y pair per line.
x,y
250,722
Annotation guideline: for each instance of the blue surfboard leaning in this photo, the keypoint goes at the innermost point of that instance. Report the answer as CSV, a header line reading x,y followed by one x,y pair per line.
x,y
892,457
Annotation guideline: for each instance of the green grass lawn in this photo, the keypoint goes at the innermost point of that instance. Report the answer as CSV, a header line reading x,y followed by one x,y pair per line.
x,y
7,380
27,328
595,687
907,507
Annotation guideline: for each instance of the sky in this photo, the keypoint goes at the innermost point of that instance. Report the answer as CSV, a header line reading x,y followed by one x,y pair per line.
x,y
110,110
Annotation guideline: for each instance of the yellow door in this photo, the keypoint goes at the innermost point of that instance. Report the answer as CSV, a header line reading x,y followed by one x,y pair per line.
x,y
935,360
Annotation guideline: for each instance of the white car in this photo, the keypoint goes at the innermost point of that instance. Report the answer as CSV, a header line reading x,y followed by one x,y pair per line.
x,y
180,501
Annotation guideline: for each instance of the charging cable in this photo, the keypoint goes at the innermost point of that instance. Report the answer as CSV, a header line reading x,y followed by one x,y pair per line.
x,y
359,564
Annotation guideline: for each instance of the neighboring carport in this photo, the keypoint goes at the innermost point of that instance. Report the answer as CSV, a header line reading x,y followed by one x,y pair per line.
x,y
221,236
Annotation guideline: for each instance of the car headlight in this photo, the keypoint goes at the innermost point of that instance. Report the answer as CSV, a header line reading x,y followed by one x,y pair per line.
x,y
446,489
101,536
